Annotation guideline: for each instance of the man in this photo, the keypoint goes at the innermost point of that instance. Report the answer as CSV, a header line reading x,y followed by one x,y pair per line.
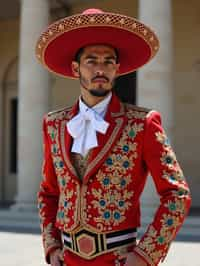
x,y
98,153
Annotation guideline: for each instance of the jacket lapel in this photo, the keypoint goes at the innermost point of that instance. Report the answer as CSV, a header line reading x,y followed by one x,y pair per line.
x,y
116,117
66,140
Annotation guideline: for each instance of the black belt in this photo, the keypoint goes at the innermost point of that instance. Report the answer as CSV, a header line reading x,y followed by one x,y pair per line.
x,y
89,244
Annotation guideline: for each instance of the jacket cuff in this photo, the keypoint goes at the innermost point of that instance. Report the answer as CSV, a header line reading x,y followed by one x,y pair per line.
x,y
143,256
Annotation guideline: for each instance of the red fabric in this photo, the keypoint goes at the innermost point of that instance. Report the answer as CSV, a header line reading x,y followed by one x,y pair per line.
x,y
133,50
71,259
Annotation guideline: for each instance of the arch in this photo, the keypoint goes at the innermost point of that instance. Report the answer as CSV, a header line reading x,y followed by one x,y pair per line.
x,y
9,87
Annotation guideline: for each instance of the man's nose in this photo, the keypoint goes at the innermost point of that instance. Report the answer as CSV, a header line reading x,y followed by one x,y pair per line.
x,y
100,72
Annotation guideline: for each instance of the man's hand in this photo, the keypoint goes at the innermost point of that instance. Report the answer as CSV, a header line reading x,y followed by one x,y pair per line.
x,y
133,259
56,257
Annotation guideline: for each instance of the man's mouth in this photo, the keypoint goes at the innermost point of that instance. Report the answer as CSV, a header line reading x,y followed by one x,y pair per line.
x,y
100,80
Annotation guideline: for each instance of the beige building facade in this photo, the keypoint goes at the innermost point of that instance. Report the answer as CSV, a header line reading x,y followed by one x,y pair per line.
x,y
169,84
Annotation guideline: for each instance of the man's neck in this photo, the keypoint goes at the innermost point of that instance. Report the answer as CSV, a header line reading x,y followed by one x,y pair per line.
x,y
91,100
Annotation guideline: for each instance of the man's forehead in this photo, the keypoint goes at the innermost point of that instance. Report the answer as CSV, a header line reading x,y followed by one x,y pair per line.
x,y
99,49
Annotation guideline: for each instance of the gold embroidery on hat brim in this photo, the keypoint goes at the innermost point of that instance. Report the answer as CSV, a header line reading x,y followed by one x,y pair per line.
x,y
99,20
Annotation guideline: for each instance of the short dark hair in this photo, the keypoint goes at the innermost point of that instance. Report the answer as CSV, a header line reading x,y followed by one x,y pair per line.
x,y
81,50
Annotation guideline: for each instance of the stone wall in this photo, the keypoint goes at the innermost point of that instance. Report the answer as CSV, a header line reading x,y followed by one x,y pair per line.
x,y
187,93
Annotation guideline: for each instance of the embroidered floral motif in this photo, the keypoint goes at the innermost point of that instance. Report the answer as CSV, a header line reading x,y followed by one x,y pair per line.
x,y
176,206
52,133
41,206
173,176
156,241
48,240
111,205
113,198
163,237
136,112
67,197
162,138
168,158
65,204
58,114
120,162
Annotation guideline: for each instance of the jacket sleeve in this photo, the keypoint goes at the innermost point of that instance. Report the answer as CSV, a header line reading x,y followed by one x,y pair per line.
x,y
48,196
172,188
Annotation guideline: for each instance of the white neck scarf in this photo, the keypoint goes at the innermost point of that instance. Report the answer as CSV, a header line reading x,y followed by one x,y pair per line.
x,y
86,123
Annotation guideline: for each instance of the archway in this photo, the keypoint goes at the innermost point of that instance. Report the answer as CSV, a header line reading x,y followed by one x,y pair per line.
x,y
9,132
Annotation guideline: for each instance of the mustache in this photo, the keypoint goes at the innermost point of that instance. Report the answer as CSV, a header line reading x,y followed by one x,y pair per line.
x,y
100,77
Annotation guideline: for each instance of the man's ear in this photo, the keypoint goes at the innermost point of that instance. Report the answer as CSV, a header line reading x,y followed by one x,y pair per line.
x,y
75,69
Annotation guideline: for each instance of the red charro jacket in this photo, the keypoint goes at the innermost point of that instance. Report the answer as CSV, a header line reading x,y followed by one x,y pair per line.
x,y
108,198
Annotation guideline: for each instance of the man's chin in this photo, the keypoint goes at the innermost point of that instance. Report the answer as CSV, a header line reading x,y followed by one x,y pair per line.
x,y
99,93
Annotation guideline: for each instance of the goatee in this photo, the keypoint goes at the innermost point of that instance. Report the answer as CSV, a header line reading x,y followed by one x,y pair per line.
x,y
98,93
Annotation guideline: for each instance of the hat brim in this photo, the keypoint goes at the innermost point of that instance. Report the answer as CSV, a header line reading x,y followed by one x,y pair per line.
x,y
135,48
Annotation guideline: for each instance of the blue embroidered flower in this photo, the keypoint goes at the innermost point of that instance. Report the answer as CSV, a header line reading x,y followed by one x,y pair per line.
x,y
126,164
172,206
54,149
102,202
106,215
65,203
109,161
161,239
40,205
121,203
61,214
168,160
182,192
61,164
117,215
52,135
106,181
172,178
62,182
167,142
132,133
126,148
169,222
123,182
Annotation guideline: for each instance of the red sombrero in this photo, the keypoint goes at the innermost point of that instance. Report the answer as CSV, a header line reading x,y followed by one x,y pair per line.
x,y
58,44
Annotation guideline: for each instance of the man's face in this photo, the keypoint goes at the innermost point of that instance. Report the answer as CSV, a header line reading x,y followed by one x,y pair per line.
x,y
97,69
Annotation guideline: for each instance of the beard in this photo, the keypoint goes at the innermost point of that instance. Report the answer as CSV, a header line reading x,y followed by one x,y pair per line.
x,y
97,92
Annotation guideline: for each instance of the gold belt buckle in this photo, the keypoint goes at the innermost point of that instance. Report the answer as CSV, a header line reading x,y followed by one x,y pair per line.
x,y
86,245
85,241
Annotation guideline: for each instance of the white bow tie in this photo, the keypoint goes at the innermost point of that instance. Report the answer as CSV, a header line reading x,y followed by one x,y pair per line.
x,y
83,128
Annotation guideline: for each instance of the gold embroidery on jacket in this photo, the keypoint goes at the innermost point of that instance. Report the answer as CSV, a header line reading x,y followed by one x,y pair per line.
x,y
68,197
113,198
175,208
48,240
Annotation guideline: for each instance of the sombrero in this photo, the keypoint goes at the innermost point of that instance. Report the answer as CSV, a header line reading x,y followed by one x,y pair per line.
x,y
57,46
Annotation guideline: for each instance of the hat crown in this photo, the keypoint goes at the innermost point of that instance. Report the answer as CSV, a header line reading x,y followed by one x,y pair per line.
x,y
92,11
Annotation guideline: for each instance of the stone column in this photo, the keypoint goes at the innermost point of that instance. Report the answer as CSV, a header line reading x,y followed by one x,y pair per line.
x,y
155,80
33,102
1,142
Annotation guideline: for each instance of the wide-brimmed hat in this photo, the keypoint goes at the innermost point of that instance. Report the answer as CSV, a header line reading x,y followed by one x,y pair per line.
x,y
58,45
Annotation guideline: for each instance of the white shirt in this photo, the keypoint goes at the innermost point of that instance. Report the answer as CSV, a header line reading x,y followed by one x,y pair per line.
x,y
86,123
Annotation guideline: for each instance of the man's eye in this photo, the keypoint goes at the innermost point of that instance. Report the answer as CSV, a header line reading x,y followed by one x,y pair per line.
x,y
91,61
109,62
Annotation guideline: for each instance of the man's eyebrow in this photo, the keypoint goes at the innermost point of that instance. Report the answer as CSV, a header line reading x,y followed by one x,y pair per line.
x,y
111,57
90,56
